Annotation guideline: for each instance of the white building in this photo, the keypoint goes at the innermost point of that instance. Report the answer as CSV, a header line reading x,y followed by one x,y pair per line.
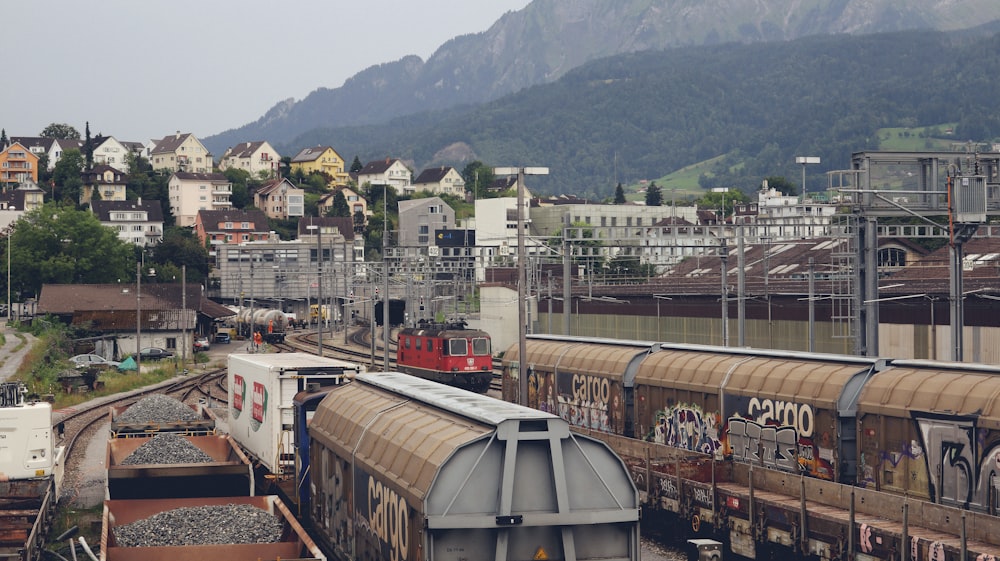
x,y
191,192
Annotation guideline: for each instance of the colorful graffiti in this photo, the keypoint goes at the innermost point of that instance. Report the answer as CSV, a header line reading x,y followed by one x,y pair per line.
x,y
687,426
592,402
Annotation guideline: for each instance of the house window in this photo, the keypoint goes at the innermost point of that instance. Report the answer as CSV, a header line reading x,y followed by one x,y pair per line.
x,y
171,342
244,225
228,226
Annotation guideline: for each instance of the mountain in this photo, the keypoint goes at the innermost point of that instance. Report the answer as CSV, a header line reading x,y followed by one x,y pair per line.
x,y
546,39
751,108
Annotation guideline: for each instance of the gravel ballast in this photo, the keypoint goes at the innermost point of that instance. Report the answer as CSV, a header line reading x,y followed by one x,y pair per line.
x,y
201,525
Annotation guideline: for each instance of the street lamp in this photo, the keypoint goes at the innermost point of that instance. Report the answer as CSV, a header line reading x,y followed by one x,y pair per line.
x,y
805,160
522,391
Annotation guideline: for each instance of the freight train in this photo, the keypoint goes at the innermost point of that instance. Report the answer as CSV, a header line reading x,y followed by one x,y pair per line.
x,y
403,468
449,353
31,468
179,490
391,466
272,324
924,429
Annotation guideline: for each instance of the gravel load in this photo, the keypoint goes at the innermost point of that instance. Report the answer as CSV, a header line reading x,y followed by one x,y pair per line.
x,y
201,525
167,448
157,408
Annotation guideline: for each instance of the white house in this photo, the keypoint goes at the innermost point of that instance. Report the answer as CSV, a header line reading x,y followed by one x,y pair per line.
x,y
387,172
191,192
181,152
257,158
137,222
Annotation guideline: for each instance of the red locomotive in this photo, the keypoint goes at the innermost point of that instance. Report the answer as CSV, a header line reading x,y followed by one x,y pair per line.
x,y
449,353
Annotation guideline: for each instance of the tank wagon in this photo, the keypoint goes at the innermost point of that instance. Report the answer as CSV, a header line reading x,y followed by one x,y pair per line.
x,y
31,468
271,323
403,468
449,353
262,388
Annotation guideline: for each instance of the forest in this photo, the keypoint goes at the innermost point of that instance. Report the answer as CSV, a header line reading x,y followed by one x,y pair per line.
x,y
752,107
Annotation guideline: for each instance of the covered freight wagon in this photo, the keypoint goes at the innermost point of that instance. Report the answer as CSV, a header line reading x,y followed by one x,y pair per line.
x,y
408,469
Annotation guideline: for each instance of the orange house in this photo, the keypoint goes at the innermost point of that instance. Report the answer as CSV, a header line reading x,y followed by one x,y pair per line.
x,y
17,165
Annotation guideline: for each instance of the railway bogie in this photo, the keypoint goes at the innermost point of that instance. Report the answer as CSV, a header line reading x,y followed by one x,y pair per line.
x,y
405,468
448,353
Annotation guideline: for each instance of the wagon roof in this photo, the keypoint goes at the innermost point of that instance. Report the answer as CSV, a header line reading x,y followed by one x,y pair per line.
x,y
930,388
817,382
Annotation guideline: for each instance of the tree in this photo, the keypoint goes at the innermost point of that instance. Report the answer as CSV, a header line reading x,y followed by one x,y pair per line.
x,y
88,148
356,165
782,185
59,244
619,195
654,196
478,176
339,206
3,138
180,247
66,177
722,201
61,131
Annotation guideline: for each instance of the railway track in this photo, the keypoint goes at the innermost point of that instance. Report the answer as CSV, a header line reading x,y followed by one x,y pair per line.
x,y
79,424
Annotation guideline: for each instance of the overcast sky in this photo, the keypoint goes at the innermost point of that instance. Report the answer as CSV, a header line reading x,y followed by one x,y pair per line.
x,y
142,69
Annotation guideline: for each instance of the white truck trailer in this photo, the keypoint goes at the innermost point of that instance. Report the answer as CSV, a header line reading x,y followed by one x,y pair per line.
x,y
262,387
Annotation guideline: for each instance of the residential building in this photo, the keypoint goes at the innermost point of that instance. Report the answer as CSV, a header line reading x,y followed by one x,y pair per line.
x,y
191,193
355,202
655,235
181,152
387,172
61,146
38,145
259,159
444,180
109,151
787,217
107,181
231,226
26,197
279,199
18,164
322,159
419,218
137,222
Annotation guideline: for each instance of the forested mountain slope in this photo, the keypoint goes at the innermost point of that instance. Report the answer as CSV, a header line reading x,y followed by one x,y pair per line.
x,y
548,38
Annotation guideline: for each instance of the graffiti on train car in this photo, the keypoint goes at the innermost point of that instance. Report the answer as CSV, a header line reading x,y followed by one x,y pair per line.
x,y
961,468
383,514
777,434
687,426
592,402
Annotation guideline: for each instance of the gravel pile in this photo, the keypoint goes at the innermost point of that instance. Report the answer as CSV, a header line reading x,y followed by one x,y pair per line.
x,y
157,408
167,448
201,525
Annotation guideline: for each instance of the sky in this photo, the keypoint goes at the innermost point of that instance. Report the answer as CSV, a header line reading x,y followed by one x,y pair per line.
x,y
142,69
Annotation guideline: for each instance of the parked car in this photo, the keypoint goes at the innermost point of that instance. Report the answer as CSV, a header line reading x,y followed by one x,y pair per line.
x,y
88,360
202,344
154,353
222,337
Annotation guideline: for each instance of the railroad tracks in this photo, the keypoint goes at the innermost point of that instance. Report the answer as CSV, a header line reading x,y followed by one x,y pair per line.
x,y
79,424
